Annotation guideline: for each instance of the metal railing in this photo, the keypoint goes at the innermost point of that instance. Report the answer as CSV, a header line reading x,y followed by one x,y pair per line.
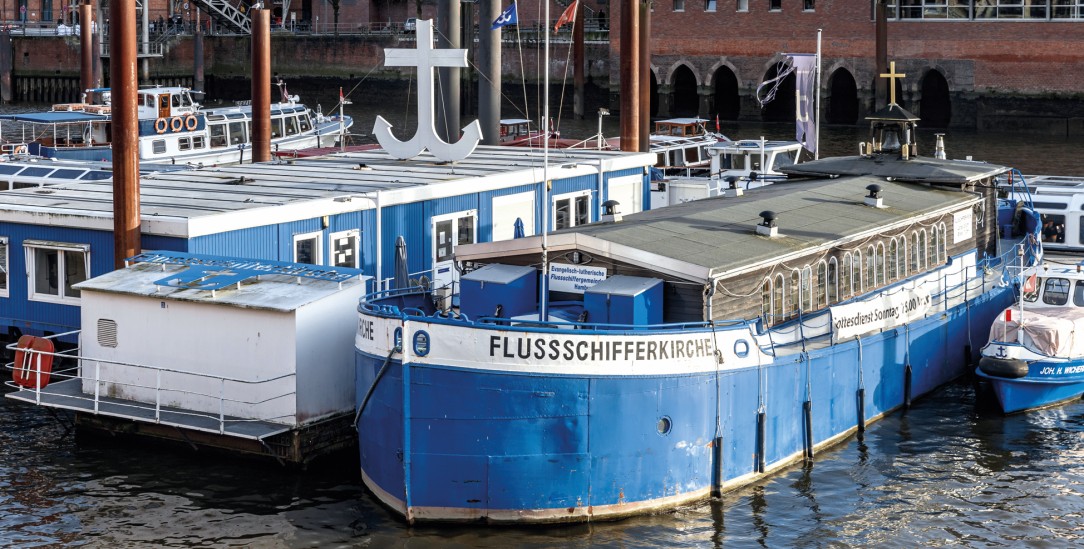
x,y
89,370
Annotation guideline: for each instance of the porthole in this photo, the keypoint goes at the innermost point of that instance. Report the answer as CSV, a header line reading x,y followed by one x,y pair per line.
x,y
663,425
741,348
421,343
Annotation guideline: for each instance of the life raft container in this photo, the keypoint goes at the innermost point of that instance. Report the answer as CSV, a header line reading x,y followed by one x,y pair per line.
x,y
1003,367
32,369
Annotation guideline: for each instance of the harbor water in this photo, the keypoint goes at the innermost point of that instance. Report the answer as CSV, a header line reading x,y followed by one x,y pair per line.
x,y
951,471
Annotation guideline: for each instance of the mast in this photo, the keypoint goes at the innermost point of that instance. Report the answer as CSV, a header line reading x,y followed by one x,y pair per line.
x,y
543,314
817,102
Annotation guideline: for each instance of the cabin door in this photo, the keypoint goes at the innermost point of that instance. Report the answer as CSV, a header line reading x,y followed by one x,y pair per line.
x,y
163,105
450,231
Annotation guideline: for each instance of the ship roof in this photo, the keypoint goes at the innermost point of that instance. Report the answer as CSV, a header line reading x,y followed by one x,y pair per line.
x,y
190,203
55,117
918,169
715,237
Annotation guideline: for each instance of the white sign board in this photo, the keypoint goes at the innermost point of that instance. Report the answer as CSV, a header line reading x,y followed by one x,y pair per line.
x,y
574,278
881,312
962,224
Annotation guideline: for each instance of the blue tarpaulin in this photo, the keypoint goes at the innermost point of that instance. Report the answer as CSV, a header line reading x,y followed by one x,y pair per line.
x,y
54,117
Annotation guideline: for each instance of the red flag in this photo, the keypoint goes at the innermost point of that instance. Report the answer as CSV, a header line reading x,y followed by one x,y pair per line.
x,y
1008,315
568,16
1029,284
340,94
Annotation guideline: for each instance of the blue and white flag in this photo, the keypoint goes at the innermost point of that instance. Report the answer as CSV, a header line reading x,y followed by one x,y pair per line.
x,y
507,17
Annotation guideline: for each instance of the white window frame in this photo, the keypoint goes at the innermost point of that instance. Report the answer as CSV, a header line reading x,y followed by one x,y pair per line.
x,y
30,247
353,234
318,236
5,267
571,197
514,201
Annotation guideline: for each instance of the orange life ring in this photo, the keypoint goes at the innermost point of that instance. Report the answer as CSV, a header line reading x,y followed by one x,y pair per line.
x,y
32,369
176,124
190,122
161,125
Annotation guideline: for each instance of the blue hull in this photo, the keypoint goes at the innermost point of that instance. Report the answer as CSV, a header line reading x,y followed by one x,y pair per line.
x,y
1028,393
460,444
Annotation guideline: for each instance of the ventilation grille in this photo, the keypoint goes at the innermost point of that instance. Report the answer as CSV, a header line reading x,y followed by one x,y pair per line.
x,y
107,332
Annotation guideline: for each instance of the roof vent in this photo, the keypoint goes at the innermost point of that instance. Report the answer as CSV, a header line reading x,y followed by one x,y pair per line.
x,y
731,189
610,211
873,199
767,227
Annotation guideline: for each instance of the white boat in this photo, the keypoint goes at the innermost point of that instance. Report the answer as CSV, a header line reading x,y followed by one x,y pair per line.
x,y
173,129
1055,198
1034,358
735,166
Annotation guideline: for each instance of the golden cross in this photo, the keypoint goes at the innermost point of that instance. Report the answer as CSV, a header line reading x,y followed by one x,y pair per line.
x,y
892,75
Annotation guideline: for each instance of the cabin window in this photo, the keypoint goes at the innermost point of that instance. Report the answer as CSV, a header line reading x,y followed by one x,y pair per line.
x,y
777,300
184,144
218,135
1078,293
893,259
158,146
871,268
197,142
922,247
306,124
845,276
879,265
856,273
709,5
901,268
931,247
53,268
766,300
833,282
276,127
291,125
345,249
1053,228
571,210
822,285
916,265
679,5
942,243
307,248
4,266
237,133
796,290
1056,291
807,289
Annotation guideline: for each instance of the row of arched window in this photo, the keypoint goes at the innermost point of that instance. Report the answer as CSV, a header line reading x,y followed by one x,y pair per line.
x,y
853,272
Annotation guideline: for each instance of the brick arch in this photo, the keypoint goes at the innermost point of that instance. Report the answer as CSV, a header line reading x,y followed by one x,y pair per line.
x,y
726,86
840,96
934,99
714,69
675,66
782,108
684,84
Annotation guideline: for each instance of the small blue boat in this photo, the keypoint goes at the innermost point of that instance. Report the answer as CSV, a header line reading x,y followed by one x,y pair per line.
x,y
1035,357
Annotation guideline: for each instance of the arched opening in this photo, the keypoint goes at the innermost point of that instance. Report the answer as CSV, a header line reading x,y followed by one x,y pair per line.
x,y
935,108
843,98
654,95
780,109
686,101
727,100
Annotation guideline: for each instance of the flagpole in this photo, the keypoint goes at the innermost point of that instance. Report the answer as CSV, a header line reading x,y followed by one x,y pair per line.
x,y
817,103
543,314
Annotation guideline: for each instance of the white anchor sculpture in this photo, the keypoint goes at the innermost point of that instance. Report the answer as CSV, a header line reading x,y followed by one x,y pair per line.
x,y
426,58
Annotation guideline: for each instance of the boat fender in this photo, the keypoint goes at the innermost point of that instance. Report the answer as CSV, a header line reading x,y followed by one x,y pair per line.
x,y
1003,367
161,125
176,124
190,122
33,362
